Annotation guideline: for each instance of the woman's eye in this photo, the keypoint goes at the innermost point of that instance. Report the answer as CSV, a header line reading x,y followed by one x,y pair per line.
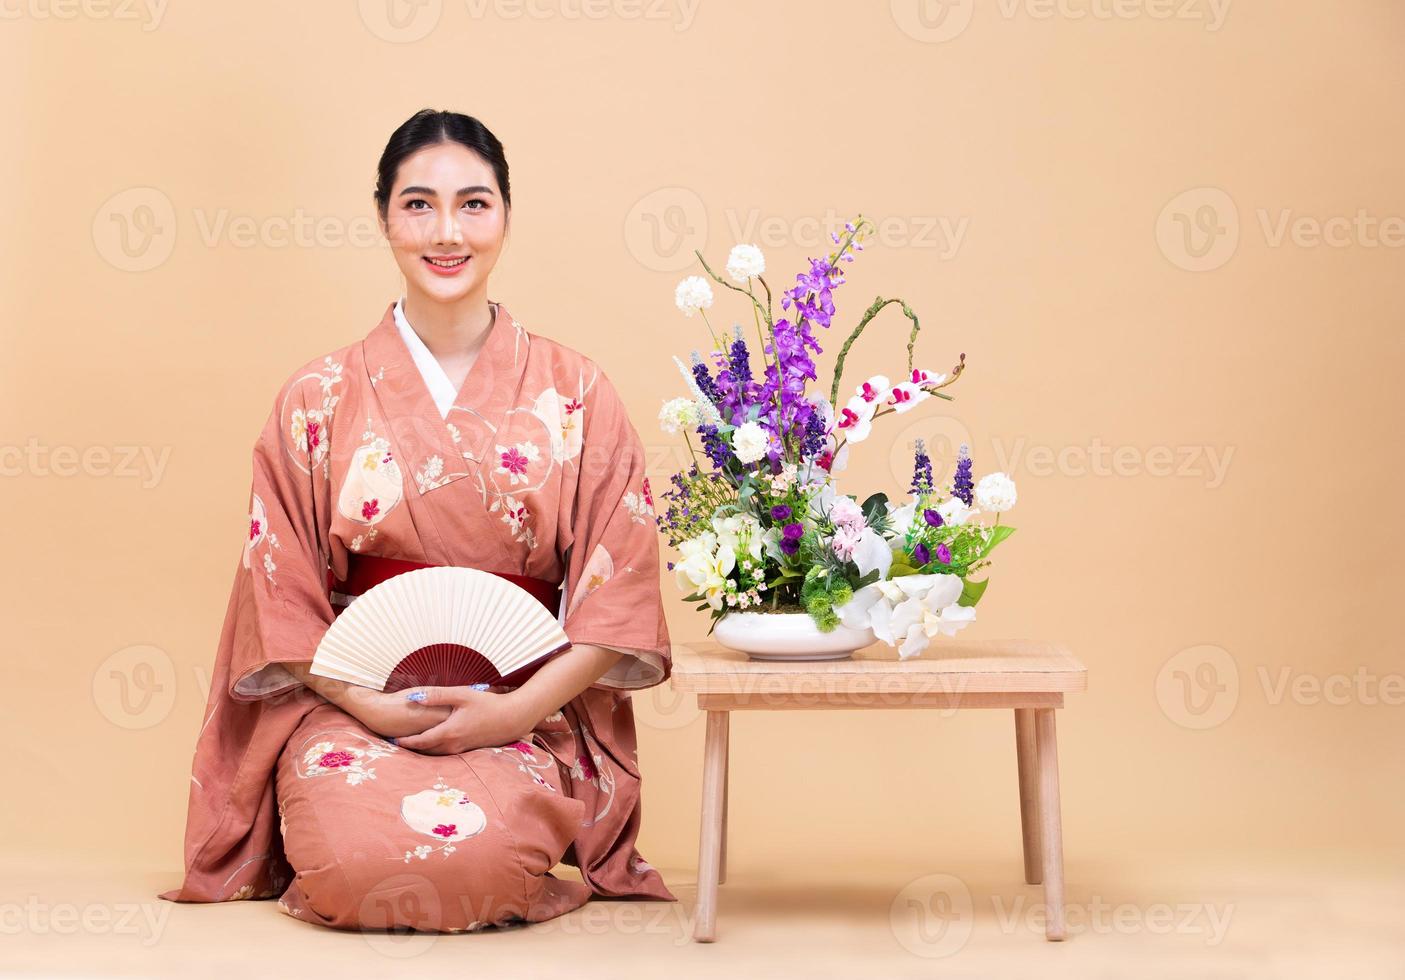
x,y
468,204
411,205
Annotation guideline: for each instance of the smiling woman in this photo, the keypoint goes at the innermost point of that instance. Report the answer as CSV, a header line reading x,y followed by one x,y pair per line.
x,y
357,808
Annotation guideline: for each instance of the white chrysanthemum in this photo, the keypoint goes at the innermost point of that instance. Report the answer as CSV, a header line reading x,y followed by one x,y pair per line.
x,y
679,413
954,511
744,262
995,491
693,294
749,442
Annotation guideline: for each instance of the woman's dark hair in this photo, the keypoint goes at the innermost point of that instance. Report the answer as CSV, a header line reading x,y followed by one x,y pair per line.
x,y
429,127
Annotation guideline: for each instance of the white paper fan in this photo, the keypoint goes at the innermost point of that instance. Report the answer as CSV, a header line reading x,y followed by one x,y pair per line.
x,y
440,626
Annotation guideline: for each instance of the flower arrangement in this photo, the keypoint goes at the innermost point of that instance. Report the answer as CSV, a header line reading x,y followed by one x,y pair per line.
x,y
757,517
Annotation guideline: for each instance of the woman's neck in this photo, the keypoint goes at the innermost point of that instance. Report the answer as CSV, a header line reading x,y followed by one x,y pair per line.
x,y
450,330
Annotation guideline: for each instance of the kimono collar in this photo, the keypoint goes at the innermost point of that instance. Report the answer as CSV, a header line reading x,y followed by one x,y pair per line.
x,y
436,446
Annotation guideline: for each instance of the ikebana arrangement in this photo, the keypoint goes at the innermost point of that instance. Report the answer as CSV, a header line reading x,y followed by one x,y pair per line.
x,y
789,567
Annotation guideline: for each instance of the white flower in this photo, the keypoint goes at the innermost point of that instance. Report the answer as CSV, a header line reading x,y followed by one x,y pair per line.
x,y
873,551
908,610
925,378
744,262
693,294
857,416
954,511
846,510
702,571
995,491
905,396
679,413
740,532
875,389
856,420
901,518
749,442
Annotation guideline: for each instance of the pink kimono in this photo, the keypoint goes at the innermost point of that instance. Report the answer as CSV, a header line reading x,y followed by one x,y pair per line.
x,y
536,470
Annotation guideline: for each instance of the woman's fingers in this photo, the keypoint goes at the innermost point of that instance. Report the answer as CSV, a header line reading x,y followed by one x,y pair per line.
x,y
435,695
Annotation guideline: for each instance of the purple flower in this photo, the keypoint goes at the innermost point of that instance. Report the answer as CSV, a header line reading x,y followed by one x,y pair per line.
x,y
963,487
715,446
814,433
921,554
793,531
922,473
943,554
780,512
704,380
932,517
790,545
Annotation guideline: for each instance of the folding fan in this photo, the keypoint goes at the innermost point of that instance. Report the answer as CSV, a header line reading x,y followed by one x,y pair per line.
x,y
440,626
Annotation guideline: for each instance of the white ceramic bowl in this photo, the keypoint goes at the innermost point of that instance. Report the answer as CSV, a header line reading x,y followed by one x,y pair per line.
x,y
787,636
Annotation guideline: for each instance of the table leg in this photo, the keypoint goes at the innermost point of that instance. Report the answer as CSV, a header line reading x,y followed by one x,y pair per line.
x,y
726,794
1028,763
1050,822
710,837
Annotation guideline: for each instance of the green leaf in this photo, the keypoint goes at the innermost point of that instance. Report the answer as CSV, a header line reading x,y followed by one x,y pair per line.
x,y
971,592
874,505
997,535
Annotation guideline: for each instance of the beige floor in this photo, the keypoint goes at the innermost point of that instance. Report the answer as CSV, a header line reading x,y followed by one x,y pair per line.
x,y
1148,918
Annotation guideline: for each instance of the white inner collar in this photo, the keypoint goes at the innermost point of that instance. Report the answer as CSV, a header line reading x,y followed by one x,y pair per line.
x,y
441,389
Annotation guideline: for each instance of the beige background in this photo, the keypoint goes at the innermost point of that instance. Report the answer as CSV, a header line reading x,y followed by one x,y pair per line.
x,y
1203,424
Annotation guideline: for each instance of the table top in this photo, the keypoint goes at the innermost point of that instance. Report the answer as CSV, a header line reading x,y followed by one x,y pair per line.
x,y
964,666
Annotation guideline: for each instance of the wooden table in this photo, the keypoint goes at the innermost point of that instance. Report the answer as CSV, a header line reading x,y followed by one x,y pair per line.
x,y
1028,676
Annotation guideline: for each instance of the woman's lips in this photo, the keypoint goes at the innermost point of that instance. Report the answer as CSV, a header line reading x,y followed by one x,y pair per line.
x,y
443,265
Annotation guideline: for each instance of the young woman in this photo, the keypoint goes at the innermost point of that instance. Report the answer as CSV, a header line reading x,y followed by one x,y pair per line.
x,y
449,435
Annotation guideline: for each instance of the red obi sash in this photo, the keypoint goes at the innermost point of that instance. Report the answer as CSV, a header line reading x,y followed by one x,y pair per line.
x,y
365,571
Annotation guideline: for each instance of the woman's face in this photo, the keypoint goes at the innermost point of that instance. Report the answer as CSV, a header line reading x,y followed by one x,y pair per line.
x,y
445,221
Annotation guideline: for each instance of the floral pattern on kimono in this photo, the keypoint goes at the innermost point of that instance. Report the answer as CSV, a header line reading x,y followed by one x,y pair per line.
x,y
444,813
348,759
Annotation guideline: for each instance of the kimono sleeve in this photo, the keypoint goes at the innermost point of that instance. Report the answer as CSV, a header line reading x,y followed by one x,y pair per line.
x,y
284,606
613,568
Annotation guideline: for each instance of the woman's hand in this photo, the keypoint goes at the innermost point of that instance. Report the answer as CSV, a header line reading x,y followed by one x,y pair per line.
x,y
391,716
387,715
476,719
